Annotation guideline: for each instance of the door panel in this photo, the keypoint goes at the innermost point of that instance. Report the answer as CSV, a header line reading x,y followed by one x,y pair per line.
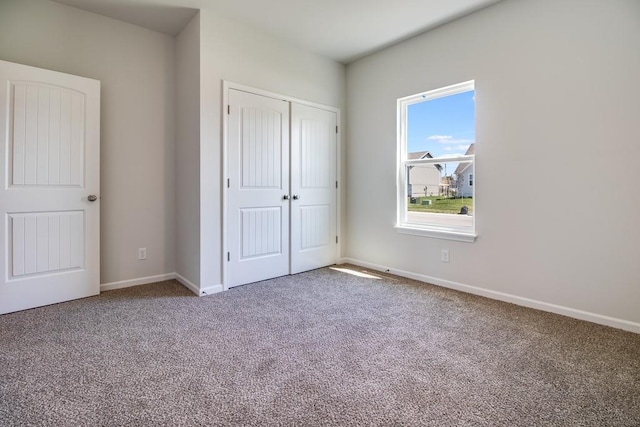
x,y
45,242
258,160
315,226
261,230
48,135
261,148
313,184
49,163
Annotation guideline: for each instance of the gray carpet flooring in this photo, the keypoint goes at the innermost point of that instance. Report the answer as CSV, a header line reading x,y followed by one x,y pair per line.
x,y
319,348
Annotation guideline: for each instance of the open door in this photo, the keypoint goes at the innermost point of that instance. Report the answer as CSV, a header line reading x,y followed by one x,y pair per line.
x,y
49,197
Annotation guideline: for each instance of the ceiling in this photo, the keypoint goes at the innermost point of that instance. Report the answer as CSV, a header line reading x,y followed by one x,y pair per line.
x,y
343,30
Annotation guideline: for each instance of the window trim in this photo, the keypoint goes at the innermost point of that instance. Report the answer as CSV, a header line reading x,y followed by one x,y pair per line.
x,y
463,234
437,233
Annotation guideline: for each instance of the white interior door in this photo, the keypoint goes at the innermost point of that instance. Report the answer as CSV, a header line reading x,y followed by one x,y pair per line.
x,y
258,188
49,164
313,188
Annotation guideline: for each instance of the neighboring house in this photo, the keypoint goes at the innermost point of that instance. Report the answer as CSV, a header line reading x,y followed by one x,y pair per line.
x,y
464,176
423,180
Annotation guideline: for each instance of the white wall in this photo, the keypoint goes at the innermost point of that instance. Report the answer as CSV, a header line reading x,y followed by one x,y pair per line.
x,y
557,96
136,68
149,129
188,152
231,51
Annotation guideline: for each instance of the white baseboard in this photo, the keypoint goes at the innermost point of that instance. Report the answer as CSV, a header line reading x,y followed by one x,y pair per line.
x,y
500,296
135,282
187,284
196,290
211,290
160,278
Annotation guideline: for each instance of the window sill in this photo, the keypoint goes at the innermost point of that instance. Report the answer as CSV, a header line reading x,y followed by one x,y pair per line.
x,y
437,233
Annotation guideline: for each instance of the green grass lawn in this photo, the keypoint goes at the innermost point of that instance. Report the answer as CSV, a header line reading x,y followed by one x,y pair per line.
x,y
441,205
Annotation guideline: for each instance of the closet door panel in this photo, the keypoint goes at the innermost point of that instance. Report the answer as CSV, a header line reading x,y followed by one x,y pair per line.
x,y
258,211
313,188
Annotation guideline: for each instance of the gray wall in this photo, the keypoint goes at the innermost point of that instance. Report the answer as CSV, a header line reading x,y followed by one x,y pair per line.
x,y
145,202
188,152
557,96
136,68
231,51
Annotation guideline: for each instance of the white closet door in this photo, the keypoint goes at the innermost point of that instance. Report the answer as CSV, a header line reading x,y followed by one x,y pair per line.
x,y
313,188
258,166
49,164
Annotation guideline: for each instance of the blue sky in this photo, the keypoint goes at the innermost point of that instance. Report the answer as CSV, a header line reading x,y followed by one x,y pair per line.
x,y
443,126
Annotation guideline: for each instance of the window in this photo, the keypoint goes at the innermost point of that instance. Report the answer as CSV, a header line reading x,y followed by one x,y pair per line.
x,y
436,163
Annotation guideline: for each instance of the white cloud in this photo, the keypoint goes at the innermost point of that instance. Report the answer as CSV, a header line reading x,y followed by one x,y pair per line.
x,y
459,142
440,138
460,149
451,155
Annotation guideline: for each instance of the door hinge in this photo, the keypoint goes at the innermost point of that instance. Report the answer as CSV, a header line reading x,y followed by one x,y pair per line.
x,y
336,129
336,239
228,256
228,109
228,183
336,184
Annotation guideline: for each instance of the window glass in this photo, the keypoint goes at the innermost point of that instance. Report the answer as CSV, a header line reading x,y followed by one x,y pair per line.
x,y
437,159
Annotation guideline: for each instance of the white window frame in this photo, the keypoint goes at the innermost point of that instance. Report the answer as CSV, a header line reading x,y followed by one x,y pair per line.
x,y
448,232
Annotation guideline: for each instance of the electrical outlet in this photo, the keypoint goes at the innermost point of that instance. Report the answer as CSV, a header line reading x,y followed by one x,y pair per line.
x,y
142,253
444,255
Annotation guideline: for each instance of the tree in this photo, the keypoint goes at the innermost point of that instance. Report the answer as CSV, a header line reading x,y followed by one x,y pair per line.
x,y
459,185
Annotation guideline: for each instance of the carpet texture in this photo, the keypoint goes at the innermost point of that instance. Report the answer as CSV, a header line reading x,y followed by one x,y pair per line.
x,y
319,348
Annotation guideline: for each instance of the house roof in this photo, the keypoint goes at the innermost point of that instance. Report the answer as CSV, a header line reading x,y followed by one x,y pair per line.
x,y
419,155
462,166
416,155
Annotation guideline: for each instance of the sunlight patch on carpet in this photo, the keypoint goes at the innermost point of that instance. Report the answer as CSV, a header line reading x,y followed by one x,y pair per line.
x,y
355,273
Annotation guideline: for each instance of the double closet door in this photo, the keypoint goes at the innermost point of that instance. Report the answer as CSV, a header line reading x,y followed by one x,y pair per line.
x,y
282,188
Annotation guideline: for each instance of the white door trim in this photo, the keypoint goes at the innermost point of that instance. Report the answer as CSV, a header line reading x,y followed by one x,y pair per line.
x,y
226,86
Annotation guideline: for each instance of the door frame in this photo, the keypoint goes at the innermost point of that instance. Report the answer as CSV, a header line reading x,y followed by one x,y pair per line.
x,y
228,85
